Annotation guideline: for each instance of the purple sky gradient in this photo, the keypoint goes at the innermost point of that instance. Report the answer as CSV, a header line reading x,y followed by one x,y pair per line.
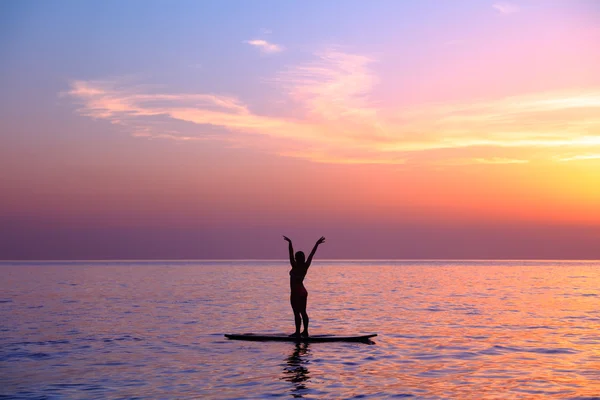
x,y
206,130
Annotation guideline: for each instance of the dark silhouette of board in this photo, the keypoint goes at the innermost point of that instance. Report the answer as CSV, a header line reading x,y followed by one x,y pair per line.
x,y
311,339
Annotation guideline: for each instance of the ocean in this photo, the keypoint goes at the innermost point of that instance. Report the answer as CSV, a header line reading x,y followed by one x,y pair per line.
x,y
154,329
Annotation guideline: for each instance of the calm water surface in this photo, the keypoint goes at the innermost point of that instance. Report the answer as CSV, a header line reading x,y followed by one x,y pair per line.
x,y
447,330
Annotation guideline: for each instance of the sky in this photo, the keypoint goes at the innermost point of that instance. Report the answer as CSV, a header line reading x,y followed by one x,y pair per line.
x,y
207,129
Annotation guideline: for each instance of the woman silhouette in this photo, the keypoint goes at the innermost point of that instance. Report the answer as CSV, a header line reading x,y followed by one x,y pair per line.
x,y
299,294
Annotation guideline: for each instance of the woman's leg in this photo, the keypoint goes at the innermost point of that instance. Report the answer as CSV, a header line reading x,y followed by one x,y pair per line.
x,y
305,320
297,312
298,322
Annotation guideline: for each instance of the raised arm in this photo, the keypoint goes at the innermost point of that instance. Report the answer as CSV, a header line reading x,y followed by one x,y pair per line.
x,y
291,249
314,250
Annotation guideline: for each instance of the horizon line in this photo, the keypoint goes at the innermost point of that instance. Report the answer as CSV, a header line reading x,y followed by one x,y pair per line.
x,y
285,259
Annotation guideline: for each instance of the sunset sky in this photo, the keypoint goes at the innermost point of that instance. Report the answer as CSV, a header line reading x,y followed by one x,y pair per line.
x,y
207,129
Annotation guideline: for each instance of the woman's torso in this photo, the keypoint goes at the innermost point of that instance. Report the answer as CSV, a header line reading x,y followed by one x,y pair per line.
x,y
297,275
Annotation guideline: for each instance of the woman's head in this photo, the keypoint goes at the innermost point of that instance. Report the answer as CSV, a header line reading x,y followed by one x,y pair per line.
x,y
300,257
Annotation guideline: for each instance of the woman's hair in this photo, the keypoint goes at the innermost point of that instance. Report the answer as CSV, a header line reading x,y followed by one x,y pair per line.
x,y
300,257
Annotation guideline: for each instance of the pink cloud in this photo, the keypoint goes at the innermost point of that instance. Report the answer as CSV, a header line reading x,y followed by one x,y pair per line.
x,y
265,46
339,123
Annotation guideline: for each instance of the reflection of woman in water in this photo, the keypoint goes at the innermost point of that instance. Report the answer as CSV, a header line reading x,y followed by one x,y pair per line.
x,y
296,370
299,294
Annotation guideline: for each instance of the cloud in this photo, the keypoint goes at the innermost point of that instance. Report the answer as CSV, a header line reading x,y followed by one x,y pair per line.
x,y
332,118
331,158
506,8
482,160
265,46
334,86
580,157
499,160
144,112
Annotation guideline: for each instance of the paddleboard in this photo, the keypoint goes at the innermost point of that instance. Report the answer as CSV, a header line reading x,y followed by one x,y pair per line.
x,y
311,339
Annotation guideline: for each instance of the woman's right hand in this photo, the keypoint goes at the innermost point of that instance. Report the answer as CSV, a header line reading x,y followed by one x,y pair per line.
x,y
287,239
321,240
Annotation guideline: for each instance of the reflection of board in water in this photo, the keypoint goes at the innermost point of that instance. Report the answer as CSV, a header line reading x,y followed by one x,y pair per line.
x,y
311,339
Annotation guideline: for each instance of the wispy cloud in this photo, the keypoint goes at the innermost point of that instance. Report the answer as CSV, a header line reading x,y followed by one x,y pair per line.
x,y
580,157
264,46
334,86
145,112
506,8
481,160
336,121
499,160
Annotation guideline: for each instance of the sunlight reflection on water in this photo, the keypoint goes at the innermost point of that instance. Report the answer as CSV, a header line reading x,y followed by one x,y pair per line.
x,y
467,330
